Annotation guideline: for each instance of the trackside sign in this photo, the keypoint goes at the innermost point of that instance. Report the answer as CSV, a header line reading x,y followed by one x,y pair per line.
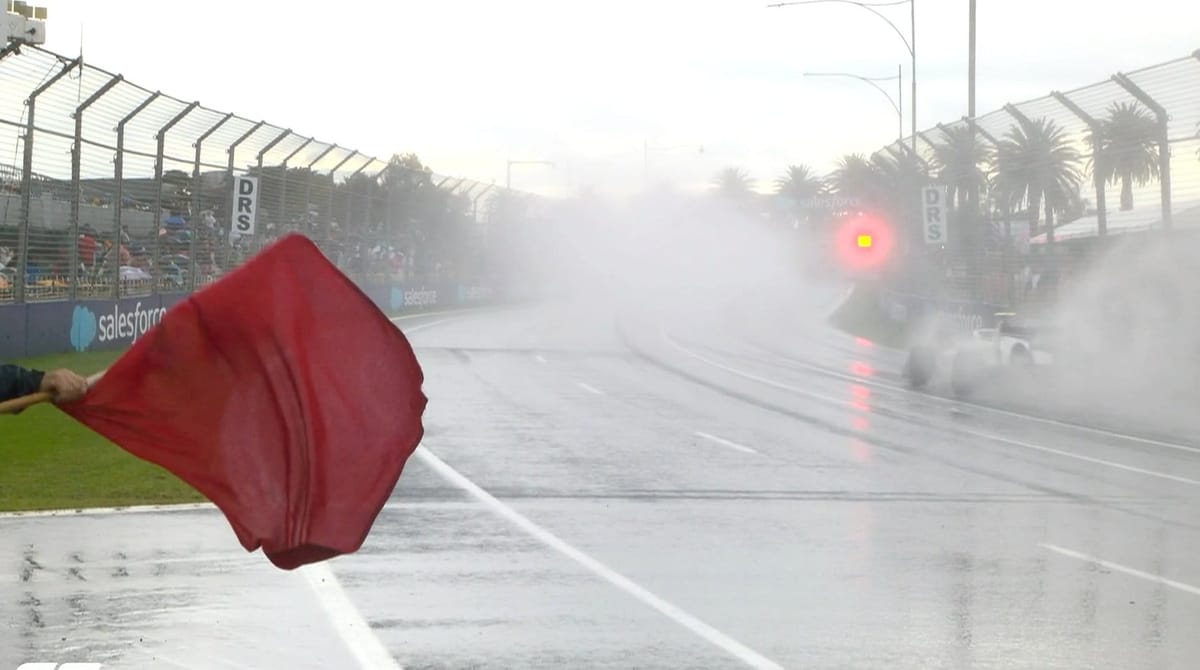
x,y
933,206
245,204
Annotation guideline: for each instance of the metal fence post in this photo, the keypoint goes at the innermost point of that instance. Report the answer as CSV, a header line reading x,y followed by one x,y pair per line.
x,y
76,169
899,155
161,137
350,194
27,179
232,151
389,210
1164,144
925,138
332,186
258,233
474,202
980,131
197,184
1005,213
470,195
308,180
991,139
268,146
372,196
913,155
120,199
1097,129
283,178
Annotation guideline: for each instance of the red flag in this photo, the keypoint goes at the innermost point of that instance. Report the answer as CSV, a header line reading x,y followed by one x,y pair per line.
x,y
281,393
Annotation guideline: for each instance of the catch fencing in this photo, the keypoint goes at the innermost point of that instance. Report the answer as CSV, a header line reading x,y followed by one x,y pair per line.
x,y
1038,189
112,190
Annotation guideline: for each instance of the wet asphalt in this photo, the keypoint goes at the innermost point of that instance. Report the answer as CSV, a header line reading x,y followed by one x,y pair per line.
x,y
725,486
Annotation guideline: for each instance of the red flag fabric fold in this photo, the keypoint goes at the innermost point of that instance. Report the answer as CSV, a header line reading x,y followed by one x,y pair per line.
x,y
281,393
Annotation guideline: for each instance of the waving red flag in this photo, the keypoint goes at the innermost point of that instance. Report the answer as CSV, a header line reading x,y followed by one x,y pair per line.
x,y
281,393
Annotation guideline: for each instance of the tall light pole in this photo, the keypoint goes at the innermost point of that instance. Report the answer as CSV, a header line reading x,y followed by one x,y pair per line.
x,y
910,45
896,103
971,62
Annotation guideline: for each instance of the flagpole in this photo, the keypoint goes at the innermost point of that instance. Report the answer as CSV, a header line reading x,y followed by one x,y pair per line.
x,y
26,401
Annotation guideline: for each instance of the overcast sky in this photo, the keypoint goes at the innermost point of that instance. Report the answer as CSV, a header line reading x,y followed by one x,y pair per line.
x,y
468,84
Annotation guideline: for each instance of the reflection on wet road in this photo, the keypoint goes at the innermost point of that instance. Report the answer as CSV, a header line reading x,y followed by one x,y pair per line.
x,y
673,491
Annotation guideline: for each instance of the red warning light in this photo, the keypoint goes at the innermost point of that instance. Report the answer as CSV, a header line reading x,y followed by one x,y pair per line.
x,y
864,242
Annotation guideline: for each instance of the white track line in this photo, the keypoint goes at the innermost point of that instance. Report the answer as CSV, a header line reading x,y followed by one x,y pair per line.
x,y
734,648
347,621
418,315
746,375
539,358
995,410
423,326
732,445
1080,457
966,431
101,511
1117,567
589,388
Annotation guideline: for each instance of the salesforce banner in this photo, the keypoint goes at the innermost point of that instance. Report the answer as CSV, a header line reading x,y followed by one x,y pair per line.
x,y
422,297
90,325
35,329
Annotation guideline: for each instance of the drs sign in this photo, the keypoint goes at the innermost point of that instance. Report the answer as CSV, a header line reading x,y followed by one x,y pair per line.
x,y
245,204
933,200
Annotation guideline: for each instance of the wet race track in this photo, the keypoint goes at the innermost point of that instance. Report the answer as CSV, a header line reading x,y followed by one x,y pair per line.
x,y
724,488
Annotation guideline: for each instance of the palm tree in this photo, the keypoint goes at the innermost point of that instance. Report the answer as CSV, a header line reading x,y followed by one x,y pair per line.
x,y
733,183
888,186
855,177
898,185
797,188
1126,143
959,162
1037,164
879,182
799,183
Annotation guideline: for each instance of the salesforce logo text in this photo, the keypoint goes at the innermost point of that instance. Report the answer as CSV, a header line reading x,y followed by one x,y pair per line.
x,y
114,326
126,325
420,298
413,297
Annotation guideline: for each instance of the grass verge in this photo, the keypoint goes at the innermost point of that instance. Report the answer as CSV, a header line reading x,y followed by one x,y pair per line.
x,y
50,461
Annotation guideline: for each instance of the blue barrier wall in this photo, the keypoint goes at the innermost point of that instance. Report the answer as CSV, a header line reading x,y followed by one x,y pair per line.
x,y
40,328
12,331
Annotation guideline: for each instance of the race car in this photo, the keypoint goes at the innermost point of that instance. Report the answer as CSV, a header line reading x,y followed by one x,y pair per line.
x,y
1012,349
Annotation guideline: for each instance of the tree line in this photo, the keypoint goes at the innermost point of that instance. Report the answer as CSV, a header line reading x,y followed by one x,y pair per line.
x,y
1035,171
